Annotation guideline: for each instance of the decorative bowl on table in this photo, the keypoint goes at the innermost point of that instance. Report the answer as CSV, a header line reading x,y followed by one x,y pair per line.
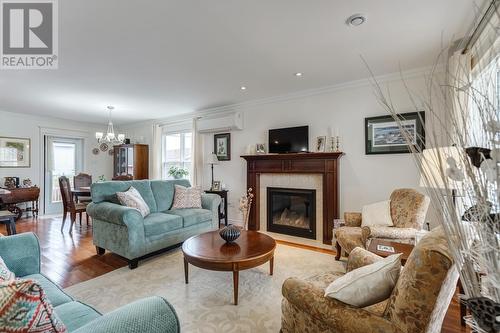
x,y
230,233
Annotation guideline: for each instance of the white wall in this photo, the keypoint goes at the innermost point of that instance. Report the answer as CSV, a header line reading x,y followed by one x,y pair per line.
x,y
27,126
363,178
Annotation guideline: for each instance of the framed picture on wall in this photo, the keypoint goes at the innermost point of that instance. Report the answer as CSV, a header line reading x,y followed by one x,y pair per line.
x,y
15,152
222,146
384,136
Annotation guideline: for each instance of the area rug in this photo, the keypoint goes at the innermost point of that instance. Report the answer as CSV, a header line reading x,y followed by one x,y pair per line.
x,y
205,304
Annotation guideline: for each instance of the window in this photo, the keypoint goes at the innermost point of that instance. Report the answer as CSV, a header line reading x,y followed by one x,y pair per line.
x,y
484,104
176,152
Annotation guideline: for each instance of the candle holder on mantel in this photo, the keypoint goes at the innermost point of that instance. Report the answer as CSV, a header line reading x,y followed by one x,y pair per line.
x,y
335,144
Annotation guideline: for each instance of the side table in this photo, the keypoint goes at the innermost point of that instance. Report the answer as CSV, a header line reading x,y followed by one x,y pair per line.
x,y
9,219
404,249
223,205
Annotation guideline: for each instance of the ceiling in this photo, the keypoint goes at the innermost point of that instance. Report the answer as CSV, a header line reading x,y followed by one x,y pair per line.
x,y
156,59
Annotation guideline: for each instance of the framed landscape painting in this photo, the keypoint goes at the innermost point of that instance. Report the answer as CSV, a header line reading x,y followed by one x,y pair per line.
x,y
222,146
15,152
384,136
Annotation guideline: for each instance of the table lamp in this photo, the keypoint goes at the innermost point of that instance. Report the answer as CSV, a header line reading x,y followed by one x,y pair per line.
x,y
212,160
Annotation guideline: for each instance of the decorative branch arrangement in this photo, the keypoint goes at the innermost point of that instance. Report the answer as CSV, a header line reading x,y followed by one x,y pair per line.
x,y
245,205
463,145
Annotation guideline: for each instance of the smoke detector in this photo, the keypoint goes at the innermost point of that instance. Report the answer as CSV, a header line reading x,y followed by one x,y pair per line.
x,y
356,20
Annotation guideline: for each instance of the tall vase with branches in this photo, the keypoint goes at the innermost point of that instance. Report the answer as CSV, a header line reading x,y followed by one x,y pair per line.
x,y
245,205
461,113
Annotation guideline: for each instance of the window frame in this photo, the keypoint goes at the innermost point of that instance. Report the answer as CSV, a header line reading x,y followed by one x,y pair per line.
x,y
182,148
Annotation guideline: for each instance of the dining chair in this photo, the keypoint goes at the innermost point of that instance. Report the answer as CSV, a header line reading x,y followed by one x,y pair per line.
x,y
82,180
69,205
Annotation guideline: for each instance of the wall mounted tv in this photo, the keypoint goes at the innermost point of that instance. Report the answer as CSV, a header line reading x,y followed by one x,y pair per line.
x,y
289,140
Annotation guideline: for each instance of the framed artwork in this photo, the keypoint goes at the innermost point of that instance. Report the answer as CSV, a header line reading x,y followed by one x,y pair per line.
x,y
260,148
321,143
216,185
384,136
15,152
222,146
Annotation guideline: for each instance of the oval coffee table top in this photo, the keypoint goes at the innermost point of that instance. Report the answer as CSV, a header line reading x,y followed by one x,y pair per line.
x,y
211,247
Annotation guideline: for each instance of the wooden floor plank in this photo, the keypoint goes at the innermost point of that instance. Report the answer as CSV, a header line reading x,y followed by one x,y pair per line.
x,y
70,259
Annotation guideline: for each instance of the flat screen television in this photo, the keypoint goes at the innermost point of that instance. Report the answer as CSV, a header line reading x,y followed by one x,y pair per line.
x,y
289,140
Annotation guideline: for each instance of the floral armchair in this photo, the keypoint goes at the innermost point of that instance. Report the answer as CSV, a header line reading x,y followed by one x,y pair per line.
x,y
408,210
418,303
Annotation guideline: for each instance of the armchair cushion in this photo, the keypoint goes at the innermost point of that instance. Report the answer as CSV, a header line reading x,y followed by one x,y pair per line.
x,y
377,214
360,257
367,285
388,233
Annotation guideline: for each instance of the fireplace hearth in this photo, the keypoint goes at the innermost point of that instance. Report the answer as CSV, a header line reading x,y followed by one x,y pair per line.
x,y
291,211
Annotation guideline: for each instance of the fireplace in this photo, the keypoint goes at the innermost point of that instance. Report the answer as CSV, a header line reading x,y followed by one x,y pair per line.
x,y
291,211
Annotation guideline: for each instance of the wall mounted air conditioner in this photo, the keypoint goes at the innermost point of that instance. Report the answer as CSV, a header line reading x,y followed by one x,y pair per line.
x,y
220,123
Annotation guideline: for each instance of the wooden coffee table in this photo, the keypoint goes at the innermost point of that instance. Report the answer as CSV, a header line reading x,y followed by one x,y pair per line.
x,y
210,251
404,249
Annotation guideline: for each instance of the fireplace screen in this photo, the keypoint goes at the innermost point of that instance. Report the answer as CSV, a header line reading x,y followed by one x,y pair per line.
x,y
291,211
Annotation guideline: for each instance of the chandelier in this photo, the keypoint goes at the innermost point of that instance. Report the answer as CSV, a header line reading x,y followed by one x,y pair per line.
x,y
110,136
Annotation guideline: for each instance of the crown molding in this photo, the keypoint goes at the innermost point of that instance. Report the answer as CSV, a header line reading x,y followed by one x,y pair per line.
x,y
385,78
224,109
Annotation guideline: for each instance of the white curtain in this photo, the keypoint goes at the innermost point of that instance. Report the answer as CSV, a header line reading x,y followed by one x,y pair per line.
x,y
156,158
197,155
459,70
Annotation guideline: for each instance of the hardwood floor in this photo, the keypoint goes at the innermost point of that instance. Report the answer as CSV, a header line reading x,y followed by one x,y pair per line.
x,y
70,259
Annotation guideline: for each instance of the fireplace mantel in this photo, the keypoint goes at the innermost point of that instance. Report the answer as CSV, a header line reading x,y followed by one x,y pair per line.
x,y
325,164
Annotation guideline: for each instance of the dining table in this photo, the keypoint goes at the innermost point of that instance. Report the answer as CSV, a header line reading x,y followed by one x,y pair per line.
x,y
83,191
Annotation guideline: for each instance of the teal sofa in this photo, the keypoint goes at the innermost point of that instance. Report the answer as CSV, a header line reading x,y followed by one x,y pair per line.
x,y
21,254
125,232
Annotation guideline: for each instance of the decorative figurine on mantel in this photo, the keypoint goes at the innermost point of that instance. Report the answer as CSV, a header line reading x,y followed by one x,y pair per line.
x,y
245,204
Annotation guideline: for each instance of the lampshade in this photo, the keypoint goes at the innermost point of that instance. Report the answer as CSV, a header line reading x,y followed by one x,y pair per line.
x,y
212,159
437,169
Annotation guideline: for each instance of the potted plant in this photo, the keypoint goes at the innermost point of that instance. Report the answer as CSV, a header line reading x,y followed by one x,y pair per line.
x,y
177,172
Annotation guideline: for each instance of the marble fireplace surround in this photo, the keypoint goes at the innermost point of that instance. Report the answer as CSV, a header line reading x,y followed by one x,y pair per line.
x,y
298,181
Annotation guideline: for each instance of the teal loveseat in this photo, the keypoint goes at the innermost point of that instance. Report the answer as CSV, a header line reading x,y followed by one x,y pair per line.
x,y
125,232
21,254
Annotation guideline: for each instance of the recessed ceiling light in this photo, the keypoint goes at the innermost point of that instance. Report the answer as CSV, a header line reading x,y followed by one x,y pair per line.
x,y
298,74
243,88
356,20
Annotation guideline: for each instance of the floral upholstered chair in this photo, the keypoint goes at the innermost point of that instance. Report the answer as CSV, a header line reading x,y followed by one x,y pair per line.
x,y
418,302
408,210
